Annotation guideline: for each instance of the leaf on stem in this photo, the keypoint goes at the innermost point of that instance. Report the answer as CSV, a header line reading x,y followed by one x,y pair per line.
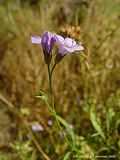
x,y
96,121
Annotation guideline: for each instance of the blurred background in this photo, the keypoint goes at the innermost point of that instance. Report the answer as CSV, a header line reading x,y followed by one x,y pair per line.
x,y
80,82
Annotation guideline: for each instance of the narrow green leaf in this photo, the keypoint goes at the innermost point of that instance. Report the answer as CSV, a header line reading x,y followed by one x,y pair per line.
x,y
34,155
109,117
67,126
67,155
96,121
43,96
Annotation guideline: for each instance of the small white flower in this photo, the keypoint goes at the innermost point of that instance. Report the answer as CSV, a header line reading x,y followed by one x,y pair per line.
x,y
36,127
50,122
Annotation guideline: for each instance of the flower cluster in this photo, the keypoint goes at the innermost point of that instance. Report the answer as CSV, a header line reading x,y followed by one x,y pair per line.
x,y
65,46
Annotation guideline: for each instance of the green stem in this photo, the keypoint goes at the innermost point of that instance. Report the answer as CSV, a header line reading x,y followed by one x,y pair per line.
x,y
50,80
52,104
53,68
50,71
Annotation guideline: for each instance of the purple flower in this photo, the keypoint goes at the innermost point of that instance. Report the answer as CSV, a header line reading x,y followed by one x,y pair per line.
x,y
47,41
66,46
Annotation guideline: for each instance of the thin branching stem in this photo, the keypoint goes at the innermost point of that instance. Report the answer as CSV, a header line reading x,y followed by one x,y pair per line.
x,y
36,142
13,109
52,103
50,80
53,68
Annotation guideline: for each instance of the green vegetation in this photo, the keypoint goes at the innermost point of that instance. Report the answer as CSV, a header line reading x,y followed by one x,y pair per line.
x,y
86,87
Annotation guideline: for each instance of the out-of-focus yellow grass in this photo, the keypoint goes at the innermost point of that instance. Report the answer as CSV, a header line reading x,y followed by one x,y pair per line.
x,y
80,79
76,78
